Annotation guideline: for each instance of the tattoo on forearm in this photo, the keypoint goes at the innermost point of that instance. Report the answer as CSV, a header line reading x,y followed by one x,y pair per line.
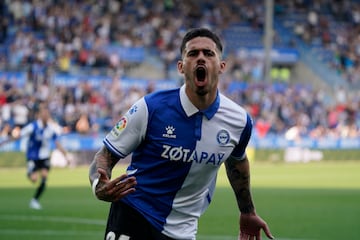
x,y
240,181
103,159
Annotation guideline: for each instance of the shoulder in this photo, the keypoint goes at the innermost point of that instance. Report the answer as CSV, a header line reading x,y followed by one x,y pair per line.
x,y
234,108
29,128
234,114
33,125
162,94
162,97
55,127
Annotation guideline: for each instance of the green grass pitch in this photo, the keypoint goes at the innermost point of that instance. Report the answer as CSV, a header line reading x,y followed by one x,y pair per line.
x,y
299,201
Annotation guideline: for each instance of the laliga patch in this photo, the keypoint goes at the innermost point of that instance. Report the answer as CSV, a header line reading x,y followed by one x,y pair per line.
x,y
121,125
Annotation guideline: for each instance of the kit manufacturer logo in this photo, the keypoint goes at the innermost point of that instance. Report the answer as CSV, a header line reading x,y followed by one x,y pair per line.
x,y
170,132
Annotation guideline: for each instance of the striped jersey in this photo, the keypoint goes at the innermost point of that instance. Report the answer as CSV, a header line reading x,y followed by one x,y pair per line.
x,y
176,153
40,139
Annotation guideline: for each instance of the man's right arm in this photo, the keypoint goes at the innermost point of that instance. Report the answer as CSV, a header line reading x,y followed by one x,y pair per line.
x,y
100,178
103,159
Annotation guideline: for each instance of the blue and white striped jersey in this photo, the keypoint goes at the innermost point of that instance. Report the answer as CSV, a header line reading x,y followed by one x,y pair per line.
x,y
177,151
40,139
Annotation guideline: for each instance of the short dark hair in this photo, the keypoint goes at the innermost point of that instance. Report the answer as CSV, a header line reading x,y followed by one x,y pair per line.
x,y
200,32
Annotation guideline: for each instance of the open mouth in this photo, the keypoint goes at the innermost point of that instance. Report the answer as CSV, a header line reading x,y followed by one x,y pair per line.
x,y
200,73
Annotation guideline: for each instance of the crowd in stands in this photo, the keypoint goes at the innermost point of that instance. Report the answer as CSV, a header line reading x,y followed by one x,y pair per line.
x,y
46,36
332,29
66,35
277,108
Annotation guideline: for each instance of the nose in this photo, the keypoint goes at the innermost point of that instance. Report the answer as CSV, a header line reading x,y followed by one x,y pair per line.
x,y
202,54
201,57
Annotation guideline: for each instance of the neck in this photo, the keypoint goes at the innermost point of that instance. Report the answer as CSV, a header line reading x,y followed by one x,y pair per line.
x,y
201,102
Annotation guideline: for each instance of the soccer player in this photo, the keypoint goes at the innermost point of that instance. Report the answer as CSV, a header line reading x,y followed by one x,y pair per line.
x,y
178,139
41,134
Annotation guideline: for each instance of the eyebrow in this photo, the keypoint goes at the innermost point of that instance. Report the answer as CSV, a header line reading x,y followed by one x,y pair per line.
x,y
201,50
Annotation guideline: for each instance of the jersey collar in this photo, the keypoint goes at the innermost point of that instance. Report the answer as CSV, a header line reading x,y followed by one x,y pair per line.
x,y
190,109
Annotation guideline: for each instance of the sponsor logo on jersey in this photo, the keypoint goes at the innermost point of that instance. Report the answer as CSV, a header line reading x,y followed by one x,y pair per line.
x,y
223,137
119,126
186,155
170,132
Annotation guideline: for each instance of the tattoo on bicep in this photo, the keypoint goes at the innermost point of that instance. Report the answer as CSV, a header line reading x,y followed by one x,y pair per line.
x,y
240,182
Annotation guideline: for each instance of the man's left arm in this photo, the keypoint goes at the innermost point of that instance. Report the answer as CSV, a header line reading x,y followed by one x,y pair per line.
x,y
61,148
238,172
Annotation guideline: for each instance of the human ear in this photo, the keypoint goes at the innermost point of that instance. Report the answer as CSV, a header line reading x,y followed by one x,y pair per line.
x,y
180,67
222,67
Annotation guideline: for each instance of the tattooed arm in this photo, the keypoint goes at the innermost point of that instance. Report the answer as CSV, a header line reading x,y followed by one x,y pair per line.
x,y
103,159
251,224
238,173
100,174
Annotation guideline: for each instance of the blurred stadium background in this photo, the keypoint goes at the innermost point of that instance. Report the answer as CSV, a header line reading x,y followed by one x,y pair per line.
x,y
293,64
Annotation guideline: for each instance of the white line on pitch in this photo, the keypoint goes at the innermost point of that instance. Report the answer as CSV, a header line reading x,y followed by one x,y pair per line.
x,y
81,221
18,232
53,219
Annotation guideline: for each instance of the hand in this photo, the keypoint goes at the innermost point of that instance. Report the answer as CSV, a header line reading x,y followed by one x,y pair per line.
x,y
15,133
251,225
113,190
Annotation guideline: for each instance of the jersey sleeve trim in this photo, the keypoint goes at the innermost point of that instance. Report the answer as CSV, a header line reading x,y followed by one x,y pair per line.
x,y
113,149
239,151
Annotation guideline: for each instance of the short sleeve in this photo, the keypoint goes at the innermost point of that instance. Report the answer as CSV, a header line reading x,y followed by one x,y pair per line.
x,y
27,130
129,131
239,151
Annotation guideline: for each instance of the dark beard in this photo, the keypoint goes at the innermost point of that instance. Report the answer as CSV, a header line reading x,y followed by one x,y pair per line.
x,y
201,91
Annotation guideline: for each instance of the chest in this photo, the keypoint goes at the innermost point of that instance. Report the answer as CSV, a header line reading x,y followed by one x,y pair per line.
x,y
42,134
177,137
